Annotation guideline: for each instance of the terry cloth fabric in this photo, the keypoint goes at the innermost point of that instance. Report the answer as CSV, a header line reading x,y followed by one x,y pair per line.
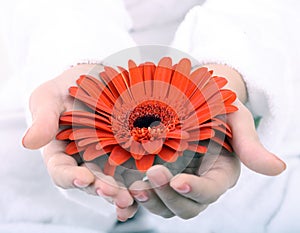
x,y
258,39
43,39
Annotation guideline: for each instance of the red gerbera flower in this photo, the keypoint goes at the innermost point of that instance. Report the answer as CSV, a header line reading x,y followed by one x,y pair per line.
x,y
147,111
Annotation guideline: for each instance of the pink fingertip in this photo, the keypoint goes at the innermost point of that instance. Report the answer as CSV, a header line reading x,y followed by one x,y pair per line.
x,y
80,184
23,139
183,189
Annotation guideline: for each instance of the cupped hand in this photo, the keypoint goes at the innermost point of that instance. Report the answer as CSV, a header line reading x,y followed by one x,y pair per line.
x,y
47,103
186,195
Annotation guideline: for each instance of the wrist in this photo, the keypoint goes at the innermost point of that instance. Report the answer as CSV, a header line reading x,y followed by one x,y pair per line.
x,y
235,79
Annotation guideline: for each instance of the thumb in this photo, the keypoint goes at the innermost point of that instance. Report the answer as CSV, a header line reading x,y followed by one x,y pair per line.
x,y
45,107
247,146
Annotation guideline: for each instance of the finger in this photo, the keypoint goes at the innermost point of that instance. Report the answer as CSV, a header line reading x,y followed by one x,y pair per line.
x,y
185,208
247,146
209,187
123,199
45,107
48,101
63,168
126,213
104,186
130,176
107,187
146,197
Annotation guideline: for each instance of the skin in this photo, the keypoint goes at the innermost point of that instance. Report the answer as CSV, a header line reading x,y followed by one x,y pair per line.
x,y
192,192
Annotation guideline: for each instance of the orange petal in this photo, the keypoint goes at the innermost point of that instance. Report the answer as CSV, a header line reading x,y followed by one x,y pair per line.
x,y
145,162
220,81
109,169
216,125
64,134
101,87
221,96
119,83
197,99
149,70
202,134
118,156
222,143
108,81
223,130
92,153
211,90
89,133
93,116
191,126
177,134
167,154
197,77
106,95
125,75
200,77
102,144
153,147
163,73
72,148
89,101
228,96
135,74
231,108
81,121
221,122
176,144
181,74
206,112
197,148
87,141
90,87
136,149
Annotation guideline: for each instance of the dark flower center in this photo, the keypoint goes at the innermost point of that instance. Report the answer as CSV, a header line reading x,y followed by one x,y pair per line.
x,y
147,121
151,119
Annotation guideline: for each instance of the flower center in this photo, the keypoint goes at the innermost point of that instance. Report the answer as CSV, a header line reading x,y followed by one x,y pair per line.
x,y
147,121
152,119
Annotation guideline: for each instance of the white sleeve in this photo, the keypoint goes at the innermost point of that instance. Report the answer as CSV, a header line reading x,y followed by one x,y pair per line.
x,y
46,37
258,39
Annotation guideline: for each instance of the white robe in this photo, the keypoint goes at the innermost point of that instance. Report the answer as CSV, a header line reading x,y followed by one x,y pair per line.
x,y
50,35
43,38
259,39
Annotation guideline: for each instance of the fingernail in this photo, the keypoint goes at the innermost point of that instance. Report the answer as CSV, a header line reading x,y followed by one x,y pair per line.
x,y
283,164
23,139
80,184
141,197
157,177
184,188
